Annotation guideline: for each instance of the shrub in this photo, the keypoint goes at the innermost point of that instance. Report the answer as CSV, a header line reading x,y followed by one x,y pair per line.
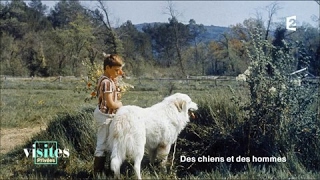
x,y
280,114
278,119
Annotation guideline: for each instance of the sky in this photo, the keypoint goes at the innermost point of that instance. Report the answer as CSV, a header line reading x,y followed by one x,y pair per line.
x,y
217,13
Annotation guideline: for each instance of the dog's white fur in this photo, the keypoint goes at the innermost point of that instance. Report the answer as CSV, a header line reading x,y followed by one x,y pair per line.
x,y
155,128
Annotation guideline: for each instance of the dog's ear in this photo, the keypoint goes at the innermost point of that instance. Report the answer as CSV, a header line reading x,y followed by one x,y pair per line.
x,y
180,105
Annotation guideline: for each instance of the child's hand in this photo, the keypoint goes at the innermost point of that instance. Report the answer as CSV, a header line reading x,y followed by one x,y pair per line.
x,y
119,95
120,103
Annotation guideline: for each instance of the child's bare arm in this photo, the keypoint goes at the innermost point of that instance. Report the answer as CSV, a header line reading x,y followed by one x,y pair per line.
x,y
110,102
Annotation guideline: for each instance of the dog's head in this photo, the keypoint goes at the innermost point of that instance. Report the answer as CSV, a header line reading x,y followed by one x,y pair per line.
x,y
183,103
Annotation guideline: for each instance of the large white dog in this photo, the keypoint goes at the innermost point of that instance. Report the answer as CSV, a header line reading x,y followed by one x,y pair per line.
x,y
155,128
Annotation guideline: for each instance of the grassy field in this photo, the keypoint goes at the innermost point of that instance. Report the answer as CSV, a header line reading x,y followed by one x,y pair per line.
x,y
26,102
219,130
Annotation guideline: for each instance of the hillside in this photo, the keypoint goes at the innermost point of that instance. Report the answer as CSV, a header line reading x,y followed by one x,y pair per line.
x,y
212,32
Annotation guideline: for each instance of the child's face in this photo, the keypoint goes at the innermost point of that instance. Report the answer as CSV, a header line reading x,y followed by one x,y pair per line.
x,y
114,71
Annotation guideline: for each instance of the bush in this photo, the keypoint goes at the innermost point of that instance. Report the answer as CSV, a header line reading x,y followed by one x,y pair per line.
x,y
278,120
279,111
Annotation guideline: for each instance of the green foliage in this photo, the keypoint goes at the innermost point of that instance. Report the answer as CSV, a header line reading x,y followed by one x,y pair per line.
x,y
11,62
277,119
165,38
279,109
39,42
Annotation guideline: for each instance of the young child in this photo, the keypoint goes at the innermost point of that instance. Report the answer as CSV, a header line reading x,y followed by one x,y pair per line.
x,y
108,103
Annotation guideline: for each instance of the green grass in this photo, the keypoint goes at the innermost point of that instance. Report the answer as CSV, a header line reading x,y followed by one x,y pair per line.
x,y
218,130
25,103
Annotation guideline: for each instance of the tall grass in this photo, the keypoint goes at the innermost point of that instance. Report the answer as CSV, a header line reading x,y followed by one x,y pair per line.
x,y
219,130
73,131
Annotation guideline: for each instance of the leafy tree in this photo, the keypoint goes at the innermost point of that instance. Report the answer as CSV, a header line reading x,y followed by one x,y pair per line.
x,y
228,55
111,39
196,39
81,37
304,42
272,10
216,57
137,48
38,6
252,24
239,36
180,36
279,43
307,42
225,42
73,44
64,12
162,45
134,42
32,55
37,16
168,42
10,54
197,66
14,18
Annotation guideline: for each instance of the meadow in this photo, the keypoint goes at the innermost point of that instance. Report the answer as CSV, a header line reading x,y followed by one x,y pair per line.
x,y
220,131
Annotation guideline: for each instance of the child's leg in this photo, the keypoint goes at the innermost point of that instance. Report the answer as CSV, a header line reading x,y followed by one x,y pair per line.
x,y
102,134
101,147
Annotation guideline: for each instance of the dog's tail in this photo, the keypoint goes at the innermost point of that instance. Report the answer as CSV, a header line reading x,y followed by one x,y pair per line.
x,y
126,139
125,135
117,133
116,142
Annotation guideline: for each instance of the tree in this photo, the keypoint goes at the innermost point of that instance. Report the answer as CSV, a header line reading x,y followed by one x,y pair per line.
x,y
10,54
134,42
196,31
81,37
64,12
22,22
38,7
272,10
161,42
252,24
37,16
216,55
305,41
137,47
13,18
112,37
180,35
197,66
231,53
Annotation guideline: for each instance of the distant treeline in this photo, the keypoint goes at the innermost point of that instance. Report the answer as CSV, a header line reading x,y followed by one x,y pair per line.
x,y
36,41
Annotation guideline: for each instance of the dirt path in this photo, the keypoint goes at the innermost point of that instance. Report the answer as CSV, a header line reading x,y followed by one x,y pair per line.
x,y
11,137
